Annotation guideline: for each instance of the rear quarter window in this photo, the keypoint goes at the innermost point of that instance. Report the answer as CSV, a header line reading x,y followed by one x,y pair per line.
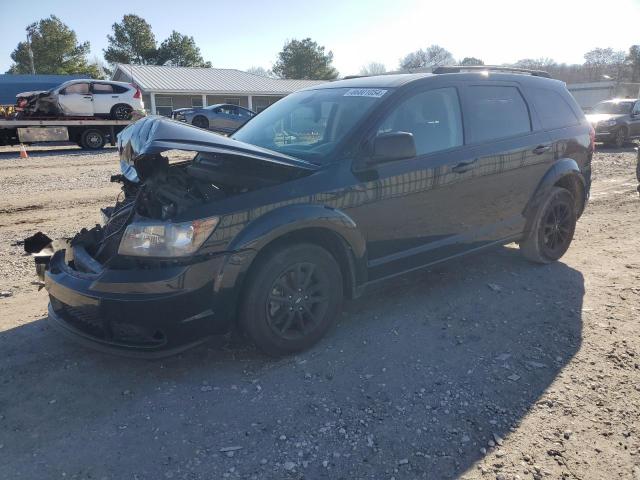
x,y
552,108
493,112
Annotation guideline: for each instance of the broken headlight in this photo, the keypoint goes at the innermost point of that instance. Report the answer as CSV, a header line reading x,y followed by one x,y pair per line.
x,y
166,239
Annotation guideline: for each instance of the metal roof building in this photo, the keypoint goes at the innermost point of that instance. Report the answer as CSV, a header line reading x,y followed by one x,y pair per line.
x,y
11,85
166,88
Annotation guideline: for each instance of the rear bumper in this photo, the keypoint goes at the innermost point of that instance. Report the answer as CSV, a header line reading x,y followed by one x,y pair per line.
x,y
143,312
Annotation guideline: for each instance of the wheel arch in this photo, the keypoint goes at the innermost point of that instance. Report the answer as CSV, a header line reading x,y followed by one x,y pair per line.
x,y
564,173
328,228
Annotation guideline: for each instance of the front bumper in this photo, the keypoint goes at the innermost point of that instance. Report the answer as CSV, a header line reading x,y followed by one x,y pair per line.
x,y
151,312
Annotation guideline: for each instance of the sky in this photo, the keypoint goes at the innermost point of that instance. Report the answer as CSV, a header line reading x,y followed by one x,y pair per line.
x,y
241,34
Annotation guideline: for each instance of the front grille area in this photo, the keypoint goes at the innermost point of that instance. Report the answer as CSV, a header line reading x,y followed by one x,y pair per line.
x,y
88,319
85,318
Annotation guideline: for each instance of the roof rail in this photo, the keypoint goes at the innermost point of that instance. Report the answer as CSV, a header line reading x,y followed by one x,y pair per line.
x,y
461,68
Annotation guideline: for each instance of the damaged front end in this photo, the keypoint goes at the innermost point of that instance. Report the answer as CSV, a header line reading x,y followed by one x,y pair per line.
x,y
138,280
37,103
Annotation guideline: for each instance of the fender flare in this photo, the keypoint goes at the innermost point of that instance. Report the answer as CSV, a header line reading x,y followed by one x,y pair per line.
x,y
561,169
288,219
278,223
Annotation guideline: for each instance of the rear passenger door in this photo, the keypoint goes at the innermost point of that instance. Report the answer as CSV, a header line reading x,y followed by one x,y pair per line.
x,y
103,98
635,120
510,155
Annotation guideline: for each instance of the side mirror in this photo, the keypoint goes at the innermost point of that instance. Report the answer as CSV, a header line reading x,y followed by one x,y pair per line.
x,y
388,147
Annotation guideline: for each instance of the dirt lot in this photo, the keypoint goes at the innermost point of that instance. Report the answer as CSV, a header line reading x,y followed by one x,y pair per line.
x,y
487,367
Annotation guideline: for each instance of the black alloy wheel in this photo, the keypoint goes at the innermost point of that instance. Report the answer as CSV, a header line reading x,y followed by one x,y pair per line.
x,y
551,231
121,112
291,299
557,229
298,301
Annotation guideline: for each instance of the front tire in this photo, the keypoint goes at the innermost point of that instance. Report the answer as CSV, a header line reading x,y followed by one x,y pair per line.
x,y
292,298
201,122
621,138
552,230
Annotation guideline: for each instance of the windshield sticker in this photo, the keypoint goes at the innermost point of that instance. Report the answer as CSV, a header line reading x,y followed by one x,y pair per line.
x,y
365,92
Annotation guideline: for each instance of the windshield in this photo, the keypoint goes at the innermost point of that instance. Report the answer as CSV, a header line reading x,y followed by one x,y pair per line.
x,y
613,107
309,124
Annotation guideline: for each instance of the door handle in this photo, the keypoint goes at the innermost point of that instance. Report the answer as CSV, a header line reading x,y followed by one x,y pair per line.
x,y
540,149
464,166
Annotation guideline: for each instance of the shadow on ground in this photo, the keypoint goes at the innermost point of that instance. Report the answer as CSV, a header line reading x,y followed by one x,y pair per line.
x,y
417,377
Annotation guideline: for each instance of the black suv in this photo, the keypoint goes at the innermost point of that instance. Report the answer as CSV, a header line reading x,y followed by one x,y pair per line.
x,y
616,121
325,192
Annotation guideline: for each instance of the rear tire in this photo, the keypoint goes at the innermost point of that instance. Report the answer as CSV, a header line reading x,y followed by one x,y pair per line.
x,y
552,229
201,122
92,139
292,298
121,112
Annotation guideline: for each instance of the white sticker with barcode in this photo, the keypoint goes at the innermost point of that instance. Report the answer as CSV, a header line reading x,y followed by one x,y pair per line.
x,y
365,92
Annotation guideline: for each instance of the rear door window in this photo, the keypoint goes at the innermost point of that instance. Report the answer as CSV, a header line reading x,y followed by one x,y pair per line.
x,y
492,112
552,108
102,88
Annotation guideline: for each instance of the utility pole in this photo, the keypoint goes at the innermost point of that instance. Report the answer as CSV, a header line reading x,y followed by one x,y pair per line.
x,y
33,67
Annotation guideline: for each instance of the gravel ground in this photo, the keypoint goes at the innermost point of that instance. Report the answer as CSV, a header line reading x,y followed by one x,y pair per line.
x,y
487,367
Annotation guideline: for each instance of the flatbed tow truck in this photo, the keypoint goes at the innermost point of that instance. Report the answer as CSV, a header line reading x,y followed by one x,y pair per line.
x,y
88,132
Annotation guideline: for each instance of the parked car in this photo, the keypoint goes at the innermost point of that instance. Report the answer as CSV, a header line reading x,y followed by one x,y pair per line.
x,y
616,121
221,117
329,190
82,98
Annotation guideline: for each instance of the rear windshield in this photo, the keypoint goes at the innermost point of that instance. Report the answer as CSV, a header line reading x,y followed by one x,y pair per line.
x,y
309,124
613,107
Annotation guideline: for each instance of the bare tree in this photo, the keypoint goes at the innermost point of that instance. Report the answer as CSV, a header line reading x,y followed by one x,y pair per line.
x,y
541,63
373,68
261,72
604,61
433,56
471,61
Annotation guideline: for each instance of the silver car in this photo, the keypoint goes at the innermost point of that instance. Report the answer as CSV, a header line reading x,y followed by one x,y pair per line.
x,y
222,117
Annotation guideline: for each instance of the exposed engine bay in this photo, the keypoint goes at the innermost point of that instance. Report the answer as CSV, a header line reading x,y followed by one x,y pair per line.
x,y
157,190
43,103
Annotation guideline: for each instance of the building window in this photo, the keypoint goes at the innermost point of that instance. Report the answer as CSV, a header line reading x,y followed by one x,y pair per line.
x,y
164,106
232,101
196,102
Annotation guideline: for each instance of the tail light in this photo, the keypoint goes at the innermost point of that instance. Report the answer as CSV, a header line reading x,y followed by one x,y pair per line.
x,y
592,138
138,93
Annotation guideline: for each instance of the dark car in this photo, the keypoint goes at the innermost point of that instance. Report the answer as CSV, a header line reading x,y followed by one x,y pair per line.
x,y
616,121
329,190
224,118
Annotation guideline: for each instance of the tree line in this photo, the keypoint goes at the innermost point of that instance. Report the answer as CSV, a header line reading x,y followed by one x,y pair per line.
x,y
52,47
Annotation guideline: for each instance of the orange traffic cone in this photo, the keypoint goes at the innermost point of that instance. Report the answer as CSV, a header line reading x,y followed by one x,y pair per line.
x,y
23,151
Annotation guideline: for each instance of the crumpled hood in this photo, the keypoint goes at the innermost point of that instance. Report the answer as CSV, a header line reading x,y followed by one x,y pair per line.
x,y
155,134
29,94
599,117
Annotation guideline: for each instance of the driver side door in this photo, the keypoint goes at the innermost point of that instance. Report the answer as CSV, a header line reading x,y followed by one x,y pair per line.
x,y
415,214
76,100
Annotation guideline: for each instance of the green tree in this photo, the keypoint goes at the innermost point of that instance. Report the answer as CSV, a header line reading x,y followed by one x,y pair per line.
x,y
304,59
55,50
180,51
132,42
471,61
